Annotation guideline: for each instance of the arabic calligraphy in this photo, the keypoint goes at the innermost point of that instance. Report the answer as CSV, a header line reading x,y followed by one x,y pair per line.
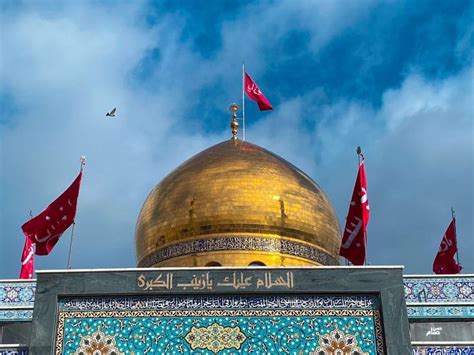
x,y
156,282
237,281
434,331
198,283
253,89
446,243
220,302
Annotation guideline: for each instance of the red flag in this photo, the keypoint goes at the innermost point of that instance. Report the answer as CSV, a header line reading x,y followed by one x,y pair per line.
x,y
255,94
354,241
444,262
27,259
46,228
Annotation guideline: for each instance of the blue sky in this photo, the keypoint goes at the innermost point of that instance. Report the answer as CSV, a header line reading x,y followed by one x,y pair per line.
x,y
395,77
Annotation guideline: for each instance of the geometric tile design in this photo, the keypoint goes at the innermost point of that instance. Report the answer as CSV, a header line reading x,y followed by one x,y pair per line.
x,y
16,301
158,333
14,351
225,324
12,315
17,294
439,289
215,338
443,350
440,311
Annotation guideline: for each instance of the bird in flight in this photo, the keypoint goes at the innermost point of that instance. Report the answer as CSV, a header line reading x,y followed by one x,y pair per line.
x,y
111,113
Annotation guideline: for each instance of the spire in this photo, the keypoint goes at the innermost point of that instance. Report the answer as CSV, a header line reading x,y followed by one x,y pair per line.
x,y
234,124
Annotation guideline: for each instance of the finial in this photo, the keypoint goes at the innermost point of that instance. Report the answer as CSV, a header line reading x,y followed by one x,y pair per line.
x,y
234,124
82,159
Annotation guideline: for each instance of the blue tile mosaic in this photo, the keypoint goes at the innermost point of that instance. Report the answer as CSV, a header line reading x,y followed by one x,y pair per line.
x,y
17,294
441,312
443,350
13,351
252,334
439,289
11,315
224,325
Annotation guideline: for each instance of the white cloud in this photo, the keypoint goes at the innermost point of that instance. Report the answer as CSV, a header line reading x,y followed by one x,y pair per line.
x,y
66,72
419,161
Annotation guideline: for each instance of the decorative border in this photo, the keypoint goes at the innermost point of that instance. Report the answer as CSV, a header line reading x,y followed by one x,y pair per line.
x,y
282,302
439,289
222,313
17,294
440,350
440,312
246,243
13,351
10,315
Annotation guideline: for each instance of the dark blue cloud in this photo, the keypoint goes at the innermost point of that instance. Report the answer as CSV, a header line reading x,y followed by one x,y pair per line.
x,y
202,21
9,109
377,52
144,70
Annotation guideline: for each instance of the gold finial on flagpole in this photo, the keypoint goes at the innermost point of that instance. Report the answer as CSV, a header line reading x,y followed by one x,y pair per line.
x,y
234,124
82,159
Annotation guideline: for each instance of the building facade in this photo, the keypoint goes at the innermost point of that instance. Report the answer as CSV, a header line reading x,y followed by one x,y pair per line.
x,y
237,252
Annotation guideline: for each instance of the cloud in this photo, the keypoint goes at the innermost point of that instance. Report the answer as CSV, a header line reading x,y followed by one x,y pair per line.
x,y
419,161
65,75
64,65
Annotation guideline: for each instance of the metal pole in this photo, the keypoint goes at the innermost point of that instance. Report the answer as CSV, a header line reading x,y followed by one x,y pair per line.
x,y
83,162
243,101
70,246
453,216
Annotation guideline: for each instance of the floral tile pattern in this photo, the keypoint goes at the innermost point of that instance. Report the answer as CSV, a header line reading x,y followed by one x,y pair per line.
x,y
17,294
337,342
217,327
97,344
11,315
215,338
440,312
439,289
174,334
443,350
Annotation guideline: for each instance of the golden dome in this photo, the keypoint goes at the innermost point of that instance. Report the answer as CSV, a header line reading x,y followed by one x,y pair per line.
x,y
236,204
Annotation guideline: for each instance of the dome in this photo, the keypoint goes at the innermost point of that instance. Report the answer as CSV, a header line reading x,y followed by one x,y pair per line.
x,y
237,204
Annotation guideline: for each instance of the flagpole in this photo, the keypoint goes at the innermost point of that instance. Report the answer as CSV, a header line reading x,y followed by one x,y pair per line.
x,y
453,216
243,101
83,162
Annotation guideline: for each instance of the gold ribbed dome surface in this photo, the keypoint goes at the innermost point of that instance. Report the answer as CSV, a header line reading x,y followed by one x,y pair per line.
x,y
236,204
